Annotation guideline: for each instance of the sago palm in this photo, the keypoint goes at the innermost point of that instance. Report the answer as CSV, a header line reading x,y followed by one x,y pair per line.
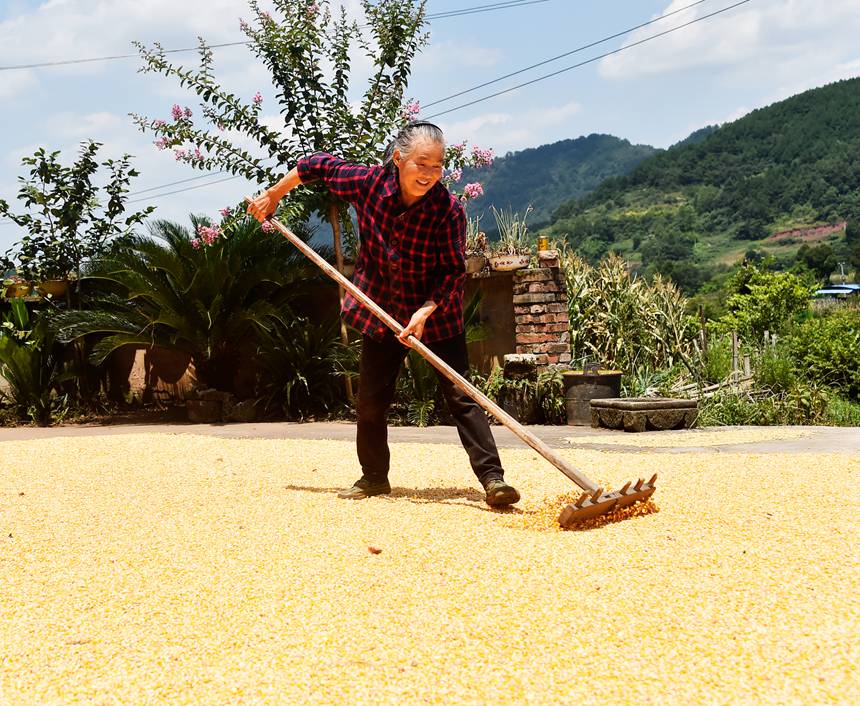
x,y
213,302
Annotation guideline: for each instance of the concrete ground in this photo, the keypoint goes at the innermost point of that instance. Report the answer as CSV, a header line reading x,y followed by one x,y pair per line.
x,y
798,439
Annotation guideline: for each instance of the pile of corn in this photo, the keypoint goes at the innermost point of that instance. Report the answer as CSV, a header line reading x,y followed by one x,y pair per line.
x,y
173,569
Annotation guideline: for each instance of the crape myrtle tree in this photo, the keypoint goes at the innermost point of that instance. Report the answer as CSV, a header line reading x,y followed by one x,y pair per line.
x,y
308,50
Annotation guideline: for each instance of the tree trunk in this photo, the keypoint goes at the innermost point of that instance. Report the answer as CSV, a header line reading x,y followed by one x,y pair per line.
x,y
334,219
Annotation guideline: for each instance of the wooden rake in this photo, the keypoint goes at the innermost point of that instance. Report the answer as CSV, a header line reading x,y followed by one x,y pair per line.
x,y
591,503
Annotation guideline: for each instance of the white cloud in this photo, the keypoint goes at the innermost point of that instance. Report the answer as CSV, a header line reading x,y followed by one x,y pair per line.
x,y
14,83
757,40
70,125
517,129
62,30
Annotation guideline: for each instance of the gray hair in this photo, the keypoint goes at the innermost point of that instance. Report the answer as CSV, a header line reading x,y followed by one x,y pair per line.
x,y
408,135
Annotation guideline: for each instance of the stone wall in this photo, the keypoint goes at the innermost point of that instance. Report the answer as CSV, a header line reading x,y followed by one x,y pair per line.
x,y
540,314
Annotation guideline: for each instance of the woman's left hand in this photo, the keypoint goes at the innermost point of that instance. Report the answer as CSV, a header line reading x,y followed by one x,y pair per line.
x,y
415,327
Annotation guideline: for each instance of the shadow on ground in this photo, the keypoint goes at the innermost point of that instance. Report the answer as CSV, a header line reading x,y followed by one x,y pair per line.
x,y
444,496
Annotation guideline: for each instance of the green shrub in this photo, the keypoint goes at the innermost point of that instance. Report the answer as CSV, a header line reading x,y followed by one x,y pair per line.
x,y
717,360
303,366
826,349
803,403
31,361
774,369
842,412
765,301
539,401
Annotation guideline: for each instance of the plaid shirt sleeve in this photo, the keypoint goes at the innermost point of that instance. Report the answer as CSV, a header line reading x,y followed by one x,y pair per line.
x,y
345,180
452,258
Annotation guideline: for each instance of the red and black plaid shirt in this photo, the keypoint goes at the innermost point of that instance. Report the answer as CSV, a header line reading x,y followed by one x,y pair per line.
x,y
406,255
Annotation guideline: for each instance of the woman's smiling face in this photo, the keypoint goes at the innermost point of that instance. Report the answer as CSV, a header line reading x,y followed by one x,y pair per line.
x,y
420,169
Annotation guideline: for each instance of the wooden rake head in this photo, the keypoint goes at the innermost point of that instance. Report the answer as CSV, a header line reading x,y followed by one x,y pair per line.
x,y
593,504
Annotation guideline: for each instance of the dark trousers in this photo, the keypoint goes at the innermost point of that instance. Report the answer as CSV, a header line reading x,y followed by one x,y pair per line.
x,y
378,369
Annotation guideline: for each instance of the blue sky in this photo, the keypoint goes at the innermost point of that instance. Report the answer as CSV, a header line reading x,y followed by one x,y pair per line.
x,y
656,93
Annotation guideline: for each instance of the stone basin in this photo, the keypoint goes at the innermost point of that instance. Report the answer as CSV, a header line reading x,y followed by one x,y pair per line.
x,y
643,413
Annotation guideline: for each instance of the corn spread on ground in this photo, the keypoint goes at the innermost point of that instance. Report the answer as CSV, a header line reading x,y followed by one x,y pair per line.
x,y
171,569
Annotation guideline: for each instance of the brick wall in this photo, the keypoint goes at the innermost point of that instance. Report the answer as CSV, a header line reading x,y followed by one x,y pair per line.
x,y
540,314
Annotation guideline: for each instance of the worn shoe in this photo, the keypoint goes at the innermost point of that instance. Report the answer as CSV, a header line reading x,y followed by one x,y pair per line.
x,y
500,493
364,488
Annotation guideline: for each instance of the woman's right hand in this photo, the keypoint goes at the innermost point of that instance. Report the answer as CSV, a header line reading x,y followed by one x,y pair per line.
x,y
263,206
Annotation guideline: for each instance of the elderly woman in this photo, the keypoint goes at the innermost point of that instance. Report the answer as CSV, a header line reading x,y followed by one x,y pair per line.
x,y
410,261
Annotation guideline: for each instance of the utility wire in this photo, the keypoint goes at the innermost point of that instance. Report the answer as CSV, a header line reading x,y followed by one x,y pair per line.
x,y
541,78
440,15
587,61
561,56
187,188
482,8
174,183
475,88
479,100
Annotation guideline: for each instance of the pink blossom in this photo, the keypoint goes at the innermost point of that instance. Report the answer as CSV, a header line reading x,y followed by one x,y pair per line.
x,y
197,155
177,112
224,212
459,148
313,9
180,154
411,110
267,227
195,244
188,112
159,123
456,174
208,234
258,98
266,15
243,25
482,158
160,143
473,190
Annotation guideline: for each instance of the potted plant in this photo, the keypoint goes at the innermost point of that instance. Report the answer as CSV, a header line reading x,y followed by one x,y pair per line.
x,y
16,286
512,251
476,246
53,286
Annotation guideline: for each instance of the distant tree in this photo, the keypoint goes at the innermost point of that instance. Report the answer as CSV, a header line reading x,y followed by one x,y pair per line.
x,y
753,256
765,301
820,259
854,258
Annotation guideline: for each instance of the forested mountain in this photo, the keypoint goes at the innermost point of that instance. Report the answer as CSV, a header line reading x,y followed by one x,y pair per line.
x,y
792,165
547,176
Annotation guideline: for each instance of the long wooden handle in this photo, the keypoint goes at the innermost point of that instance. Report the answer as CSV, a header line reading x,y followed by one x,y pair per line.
x,y
441,365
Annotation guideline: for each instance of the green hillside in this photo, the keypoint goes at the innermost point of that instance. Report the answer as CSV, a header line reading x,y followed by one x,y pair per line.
x,y
547,176
709,200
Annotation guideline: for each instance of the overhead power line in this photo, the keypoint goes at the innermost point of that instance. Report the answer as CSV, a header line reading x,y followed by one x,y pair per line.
x,y
479,100
567,53
438,16
482,85
187,188
483,8
175,183
587,61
